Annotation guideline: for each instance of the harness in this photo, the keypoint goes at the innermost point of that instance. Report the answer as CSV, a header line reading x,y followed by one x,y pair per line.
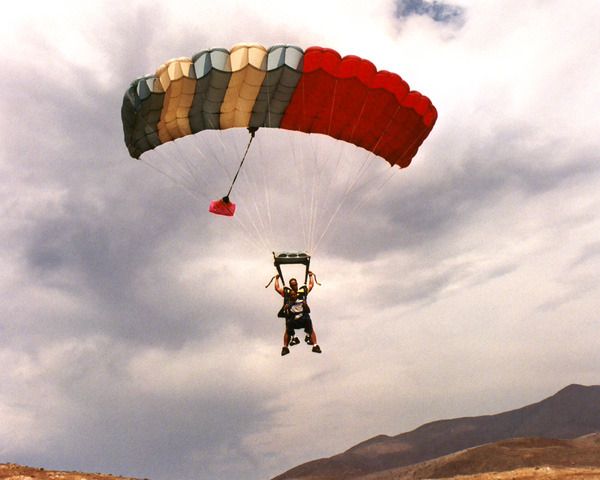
x,y
294,307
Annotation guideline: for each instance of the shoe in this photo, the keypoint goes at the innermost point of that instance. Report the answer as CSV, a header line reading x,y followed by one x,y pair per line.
x,y
308,340
294,341
316,349
285,351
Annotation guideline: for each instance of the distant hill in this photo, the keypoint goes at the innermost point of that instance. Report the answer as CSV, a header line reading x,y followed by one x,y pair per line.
x,y
572,412
11,471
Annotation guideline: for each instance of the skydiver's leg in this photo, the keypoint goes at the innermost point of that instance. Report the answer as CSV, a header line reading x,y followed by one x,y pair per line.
x,y
311,335
308,329
290,331
288,335
286,341
313,342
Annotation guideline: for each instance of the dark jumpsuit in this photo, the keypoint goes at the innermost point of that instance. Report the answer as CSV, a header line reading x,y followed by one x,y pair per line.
x,y
296,311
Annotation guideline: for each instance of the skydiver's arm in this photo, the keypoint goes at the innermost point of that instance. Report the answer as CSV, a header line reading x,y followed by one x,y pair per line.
x,y
278,286
311,281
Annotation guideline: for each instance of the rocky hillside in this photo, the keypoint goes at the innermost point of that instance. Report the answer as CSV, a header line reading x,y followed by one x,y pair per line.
x,y
537,456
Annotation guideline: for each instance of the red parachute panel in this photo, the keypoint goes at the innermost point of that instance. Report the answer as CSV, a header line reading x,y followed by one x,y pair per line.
x,y
348,99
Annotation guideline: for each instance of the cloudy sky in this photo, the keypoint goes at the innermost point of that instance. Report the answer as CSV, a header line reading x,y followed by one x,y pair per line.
x,y
136,337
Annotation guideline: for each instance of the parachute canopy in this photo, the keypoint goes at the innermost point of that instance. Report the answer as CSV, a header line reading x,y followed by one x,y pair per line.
x,y
313,91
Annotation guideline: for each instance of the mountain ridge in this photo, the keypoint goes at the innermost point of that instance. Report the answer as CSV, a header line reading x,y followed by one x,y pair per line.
x,y
572,412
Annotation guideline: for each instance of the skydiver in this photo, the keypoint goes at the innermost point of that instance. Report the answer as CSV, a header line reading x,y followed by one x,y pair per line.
x,y
296,312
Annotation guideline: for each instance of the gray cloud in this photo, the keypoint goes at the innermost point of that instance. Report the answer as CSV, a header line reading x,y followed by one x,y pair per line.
x,y
588,252
108,423
424,213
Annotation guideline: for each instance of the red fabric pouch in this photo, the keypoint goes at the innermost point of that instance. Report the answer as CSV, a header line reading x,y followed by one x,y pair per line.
x,y
222,207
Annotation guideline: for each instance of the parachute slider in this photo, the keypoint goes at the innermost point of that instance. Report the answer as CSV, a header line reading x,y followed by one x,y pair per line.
x,y
222,206
289,258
